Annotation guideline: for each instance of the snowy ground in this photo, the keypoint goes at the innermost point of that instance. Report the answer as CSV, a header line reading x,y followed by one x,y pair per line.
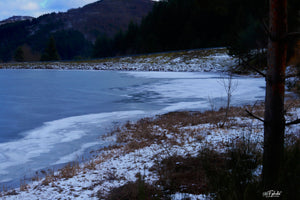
x,y
115,167
213,60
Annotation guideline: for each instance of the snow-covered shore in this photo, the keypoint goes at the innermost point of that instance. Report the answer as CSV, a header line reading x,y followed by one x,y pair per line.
x,y
114,167
213,60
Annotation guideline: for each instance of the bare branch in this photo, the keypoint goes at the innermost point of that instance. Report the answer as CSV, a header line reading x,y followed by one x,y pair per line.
x,y
290,76
254,68
266,28
258,71
293,122
291,35
254,116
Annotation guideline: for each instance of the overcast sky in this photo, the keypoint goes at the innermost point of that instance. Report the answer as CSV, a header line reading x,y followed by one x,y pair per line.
x,y
36,8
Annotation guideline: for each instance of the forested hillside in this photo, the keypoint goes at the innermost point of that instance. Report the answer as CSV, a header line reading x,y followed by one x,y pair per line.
x,y
187,24
239,25
74,31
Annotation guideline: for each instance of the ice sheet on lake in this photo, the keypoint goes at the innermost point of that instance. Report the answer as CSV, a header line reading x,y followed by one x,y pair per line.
x,y
201,86
44,139
173,90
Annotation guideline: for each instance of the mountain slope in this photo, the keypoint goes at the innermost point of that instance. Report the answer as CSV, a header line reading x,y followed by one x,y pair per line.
x,y
15,19
82,25
106,16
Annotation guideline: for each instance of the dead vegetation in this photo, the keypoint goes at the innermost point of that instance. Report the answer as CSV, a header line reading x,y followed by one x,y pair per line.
x,y
173,127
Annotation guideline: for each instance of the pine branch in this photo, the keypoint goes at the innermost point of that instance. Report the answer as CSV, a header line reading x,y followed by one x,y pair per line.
x,y
254,116
293,122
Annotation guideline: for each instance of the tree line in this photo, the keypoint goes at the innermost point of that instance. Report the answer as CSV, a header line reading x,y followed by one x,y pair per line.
x,y
171,25
26,41
189,24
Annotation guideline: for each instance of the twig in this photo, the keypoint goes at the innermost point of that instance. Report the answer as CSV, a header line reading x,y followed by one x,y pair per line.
x,y
293,122
290,76
254,68
266,28
258,71
254,116
290,35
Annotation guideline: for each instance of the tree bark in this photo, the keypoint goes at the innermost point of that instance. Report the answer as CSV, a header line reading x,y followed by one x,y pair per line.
x,y
274,122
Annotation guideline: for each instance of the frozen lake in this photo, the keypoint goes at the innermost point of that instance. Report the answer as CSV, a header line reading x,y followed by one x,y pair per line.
x,y
51,117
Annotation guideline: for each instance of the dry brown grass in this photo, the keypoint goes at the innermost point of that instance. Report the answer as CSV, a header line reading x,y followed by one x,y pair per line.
x,y
5,191
68,171
23,185
174,127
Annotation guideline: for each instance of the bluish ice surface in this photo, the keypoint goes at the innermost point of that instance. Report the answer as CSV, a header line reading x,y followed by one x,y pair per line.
x,y
51,117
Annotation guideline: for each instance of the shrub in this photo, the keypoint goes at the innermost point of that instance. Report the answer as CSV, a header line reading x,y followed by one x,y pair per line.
x,y
290,176
231,175
226,175
138,190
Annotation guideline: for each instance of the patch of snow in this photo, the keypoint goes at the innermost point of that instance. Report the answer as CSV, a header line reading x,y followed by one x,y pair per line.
x,y
180,196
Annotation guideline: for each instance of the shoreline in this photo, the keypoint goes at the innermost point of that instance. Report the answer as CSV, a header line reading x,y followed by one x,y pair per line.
x,y
214,60
176,133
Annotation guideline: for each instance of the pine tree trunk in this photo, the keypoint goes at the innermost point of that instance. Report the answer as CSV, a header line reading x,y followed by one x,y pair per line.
x,y
274,102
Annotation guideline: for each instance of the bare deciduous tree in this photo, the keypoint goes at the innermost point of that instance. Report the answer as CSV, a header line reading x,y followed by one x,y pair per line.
x,y
230,86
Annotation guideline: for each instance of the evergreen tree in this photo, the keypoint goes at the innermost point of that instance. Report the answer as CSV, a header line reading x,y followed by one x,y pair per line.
x,y
103,47
131,38
19,55
118,43
71,44
50,53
